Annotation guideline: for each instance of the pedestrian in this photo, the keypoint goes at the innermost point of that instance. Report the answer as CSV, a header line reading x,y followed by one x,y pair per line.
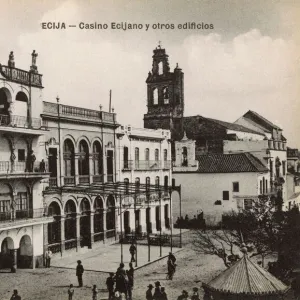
x,y
110,286
172,257
79,273
15,296
121,281
42,166
71,292
184,295
48,256
157,291
130,276
132,251
149,295
95,292
163,294
195,295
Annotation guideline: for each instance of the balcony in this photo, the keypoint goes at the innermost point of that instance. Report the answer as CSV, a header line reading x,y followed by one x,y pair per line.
x,y
78,113
20,168
97,178
20,122
84,179
69,180
12,218
276,145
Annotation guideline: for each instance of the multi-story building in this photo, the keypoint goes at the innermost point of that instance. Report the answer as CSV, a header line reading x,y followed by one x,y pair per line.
x,y
70,177
23,211
144,158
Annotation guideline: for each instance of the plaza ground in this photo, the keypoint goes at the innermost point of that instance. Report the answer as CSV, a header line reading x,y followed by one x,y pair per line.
x,y
52,284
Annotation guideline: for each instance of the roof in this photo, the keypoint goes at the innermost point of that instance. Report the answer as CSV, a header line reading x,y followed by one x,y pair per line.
x,y
246,277
236,127
230,163
251,113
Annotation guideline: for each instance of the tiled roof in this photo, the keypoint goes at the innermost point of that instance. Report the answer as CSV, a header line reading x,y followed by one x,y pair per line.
x,y
235,127
250,113
229,163
248,278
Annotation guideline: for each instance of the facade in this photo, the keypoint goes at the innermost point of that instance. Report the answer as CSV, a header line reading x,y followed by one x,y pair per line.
x,y
144,158
66,182
222,183
23,212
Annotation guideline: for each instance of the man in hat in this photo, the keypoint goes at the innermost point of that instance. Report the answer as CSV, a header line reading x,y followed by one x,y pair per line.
x,y
15,296
110,282
149,295
195,295
79,272
183,296
172,257
157,292
48,256
163,294
132,251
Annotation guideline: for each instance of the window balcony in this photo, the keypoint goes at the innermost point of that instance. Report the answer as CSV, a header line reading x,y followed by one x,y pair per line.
x,y
21,168
20,122
69,180
20,216
98,178
84,179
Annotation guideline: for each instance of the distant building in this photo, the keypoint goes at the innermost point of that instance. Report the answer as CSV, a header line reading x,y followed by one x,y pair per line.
x,y
222,183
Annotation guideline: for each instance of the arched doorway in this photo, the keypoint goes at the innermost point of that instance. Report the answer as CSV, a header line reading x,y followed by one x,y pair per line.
x,y
166,215
85,223
127,228
157,217
83,162
70,225
21,105
138,227
54,228
69,162
6,256
111,217
25,253
97,162
148,220
5,100
98,220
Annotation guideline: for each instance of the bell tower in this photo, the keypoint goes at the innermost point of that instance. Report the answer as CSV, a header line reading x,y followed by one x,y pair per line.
x,y
165,95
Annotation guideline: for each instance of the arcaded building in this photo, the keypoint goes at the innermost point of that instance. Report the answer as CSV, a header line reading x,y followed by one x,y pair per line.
x,y
72,178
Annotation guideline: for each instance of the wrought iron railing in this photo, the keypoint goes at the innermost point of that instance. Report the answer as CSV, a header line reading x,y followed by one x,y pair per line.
x,y
98,236
20,121
69,180
22,214
110,233
84,179
97,178
4,166
55,248
71,244
22,166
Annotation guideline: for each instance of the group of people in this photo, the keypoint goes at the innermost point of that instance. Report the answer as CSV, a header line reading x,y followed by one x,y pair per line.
x,y
185,295
198,222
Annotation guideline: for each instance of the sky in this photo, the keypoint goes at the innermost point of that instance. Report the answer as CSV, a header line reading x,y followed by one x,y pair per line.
x,y
249,60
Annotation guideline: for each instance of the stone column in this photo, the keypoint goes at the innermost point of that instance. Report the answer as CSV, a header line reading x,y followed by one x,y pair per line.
x,y
62,234
104,225
92,214
76,169
143,225
91,168
104,166
14,260
13,211
46,242
78,231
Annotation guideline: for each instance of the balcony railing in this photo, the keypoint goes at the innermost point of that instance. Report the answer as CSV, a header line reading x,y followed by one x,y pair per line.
x,y
78,112
97,178
110,177
69,180
22,167
20,122
84,179
276,145
12,216
52,182
147,165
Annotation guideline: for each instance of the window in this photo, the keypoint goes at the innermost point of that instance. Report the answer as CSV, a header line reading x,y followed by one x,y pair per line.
x,y
166,95
156,155
266,186
283,167
157,181
225,195
260,187
21,154
137,154
160,68
126,182
248,204
184,157
125,158
21,202
165,155
4,205
147,156
235,187
147,183
155,96
263,185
